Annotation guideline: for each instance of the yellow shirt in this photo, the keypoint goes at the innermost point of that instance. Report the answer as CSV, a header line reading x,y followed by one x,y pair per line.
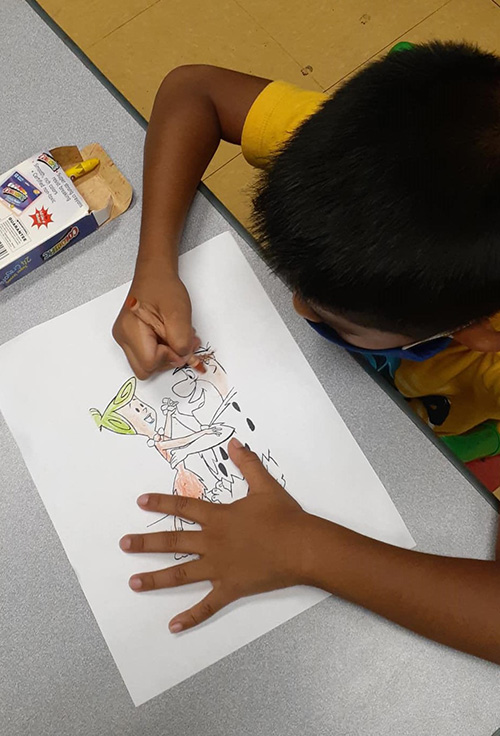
x,y
468,381
274,116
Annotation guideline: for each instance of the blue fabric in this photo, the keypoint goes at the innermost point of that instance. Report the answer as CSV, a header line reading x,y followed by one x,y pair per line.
x,y
386,366
418,353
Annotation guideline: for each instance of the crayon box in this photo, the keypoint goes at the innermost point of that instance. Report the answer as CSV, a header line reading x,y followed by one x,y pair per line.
x,y
43,212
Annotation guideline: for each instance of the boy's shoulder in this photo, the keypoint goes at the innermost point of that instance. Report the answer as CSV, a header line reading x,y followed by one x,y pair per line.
x,y
274,116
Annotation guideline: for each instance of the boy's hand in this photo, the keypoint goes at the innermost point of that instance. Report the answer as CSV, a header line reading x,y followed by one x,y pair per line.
x,y
173,340
250,546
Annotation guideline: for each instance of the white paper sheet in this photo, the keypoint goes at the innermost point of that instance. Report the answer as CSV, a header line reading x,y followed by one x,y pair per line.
x,y
89,479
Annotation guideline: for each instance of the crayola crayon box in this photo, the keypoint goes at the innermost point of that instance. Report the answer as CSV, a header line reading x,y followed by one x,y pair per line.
x,y
43,212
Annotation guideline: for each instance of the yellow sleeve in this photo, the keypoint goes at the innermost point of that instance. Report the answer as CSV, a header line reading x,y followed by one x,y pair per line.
x,y
468,381
276,113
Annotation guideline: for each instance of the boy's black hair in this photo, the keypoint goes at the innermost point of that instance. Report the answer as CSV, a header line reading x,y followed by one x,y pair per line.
x,y
385,205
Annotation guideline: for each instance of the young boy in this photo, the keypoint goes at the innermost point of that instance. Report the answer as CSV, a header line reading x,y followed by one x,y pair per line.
x,y
380,207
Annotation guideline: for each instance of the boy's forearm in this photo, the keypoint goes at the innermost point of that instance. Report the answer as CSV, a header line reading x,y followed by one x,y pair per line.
x,y
196,107
452,601
183,135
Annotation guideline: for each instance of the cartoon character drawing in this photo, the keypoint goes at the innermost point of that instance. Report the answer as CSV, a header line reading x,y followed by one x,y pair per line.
x,y
127,414
202,399
273,468
202,403
194,438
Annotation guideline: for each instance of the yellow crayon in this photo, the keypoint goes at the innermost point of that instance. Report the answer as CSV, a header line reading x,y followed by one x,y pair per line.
x,y
84,167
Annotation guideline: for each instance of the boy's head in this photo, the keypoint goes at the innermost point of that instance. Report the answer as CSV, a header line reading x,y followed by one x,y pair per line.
x,y
383,211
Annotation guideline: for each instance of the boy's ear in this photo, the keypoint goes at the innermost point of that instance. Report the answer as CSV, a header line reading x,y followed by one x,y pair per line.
x,y
481,337
304,309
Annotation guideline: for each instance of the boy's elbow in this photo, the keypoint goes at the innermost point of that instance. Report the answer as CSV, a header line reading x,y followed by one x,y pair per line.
x,y
189,75
493,654
493,649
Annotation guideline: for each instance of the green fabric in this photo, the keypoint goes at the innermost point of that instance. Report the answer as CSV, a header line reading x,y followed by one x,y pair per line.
x,y
482,441
402,46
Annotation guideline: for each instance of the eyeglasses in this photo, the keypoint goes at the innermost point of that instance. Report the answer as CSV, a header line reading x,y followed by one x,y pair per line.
x,y
449,333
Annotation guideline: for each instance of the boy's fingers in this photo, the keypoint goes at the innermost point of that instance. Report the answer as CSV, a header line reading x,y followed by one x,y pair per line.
x,y
177,346
137,368
167,358
203,610
145,361
248,462
195,362
140,345
180,337
170,577
154,355
190,542
177,349
149,318
191,509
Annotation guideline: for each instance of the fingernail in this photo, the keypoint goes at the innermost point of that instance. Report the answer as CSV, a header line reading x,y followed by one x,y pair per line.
x,y
197,364
130,302
236,443
135,583
175,627
126,543
143,500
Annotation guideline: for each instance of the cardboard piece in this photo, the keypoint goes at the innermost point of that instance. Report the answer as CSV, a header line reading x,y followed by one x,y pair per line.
x,y
43,212
314,45
335,38
474,21
138,54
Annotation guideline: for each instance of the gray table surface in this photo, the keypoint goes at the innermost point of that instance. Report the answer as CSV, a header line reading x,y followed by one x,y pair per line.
x,y
335,669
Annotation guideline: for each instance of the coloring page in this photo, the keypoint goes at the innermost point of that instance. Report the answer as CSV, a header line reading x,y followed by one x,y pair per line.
x,y
94,438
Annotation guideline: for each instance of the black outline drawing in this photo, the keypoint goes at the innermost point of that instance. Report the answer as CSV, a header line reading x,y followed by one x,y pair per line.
x,y
197,429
